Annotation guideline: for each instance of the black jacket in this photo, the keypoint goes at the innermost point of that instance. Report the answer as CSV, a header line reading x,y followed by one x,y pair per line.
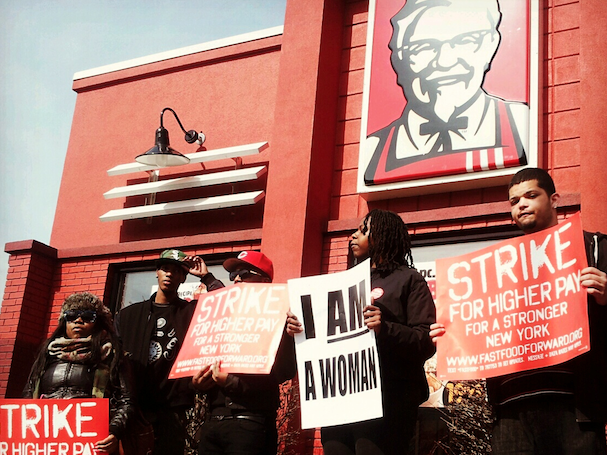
x,y
63,380
591,367
404,343
134,324
256,393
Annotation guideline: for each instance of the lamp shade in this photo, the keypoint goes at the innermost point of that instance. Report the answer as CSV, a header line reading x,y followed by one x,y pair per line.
x,y
162,155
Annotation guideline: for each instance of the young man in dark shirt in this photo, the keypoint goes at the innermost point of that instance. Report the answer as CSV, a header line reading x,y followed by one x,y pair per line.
x,y
152,332
560,409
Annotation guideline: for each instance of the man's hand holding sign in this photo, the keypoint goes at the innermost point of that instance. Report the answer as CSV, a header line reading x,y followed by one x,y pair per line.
x,y
513,306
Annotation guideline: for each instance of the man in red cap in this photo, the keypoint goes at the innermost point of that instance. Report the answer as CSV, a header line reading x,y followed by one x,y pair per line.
x,y
250,267
243,406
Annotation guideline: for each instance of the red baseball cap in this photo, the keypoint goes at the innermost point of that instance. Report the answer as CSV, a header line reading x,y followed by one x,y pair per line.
x,y
250,259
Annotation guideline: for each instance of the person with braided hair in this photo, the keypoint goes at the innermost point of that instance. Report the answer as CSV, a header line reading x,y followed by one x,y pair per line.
x,y
400,313
82,359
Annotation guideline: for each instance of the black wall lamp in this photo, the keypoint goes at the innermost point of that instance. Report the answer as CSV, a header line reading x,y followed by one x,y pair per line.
x,y
162,154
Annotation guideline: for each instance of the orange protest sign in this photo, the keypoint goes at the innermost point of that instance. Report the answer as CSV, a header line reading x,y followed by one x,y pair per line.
x,y
239,326
514,306
52,426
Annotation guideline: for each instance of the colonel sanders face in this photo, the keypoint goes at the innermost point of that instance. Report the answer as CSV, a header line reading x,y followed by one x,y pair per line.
x,y
441,50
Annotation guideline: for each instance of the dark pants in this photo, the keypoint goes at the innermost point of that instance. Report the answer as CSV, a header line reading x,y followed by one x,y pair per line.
x,y
390,435
239,435
169,431
545,426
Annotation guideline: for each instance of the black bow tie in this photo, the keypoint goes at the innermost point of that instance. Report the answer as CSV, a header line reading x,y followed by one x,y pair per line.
x,y
442,129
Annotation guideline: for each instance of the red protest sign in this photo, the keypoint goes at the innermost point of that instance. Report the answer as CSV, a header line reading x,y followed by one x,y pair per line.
x,y
70,427
240,326
517,305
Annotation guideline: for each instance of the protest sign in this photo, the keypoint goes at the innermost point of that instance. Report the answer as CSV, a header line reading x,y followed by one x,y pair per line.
x,y
514,306
337,361
67,427
239,326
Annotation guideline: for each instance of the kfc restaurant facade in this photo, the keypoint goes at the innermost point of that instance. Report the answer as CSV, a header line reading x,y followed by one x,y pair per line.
x,y
306,130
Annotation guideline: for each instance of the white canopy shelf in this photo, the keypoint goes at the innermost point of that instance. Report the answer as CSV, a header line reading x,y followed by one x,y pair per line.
x,y
239,175
194,205
198,157
154,186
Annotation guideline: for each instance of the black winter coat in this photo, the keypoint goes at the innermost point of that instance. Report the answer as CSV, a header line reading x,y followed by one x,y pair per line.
x,y
63,380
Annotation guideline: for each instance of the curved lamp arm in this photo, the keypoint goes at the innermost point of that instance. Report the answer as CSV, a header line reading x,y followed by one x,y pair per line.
x,y
191,136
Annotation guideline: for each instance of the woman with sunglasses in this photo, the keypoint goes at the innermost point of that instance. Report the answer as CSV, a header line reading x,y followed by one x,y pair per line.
x,y
81,359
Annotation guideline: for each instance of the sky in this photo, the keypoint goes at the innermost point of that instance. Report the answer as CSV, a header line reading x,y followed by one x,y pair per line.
x,y
43,43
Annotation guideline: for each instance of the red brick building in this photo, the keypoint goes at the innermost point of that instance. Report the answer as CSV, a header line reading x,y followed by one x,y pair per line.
x,y
298,88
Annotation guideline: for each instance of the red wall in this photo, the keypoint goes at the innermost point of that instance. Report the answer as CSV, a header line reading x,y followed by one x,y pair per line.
x,y
228,93
303,93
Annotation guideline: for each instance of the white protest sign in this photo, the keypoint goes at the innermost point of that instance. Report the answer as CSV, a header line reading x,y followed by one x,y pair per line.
x,y
337,360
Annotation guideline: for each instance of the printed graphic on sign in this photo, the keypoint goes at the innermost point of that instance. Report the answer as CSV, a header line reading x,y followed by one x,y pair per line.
x,y
337,361
435,386
447,90
517,305
239,326
67,427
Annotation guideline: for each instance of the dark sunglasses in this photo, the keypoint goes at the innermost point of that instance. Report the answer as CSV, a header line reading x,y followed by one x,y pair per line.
x,y
85,315
250,276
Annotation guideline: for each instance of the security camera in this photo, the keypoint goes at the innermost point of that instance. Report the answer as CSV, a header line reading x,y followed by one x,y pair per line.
x,y
201,138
